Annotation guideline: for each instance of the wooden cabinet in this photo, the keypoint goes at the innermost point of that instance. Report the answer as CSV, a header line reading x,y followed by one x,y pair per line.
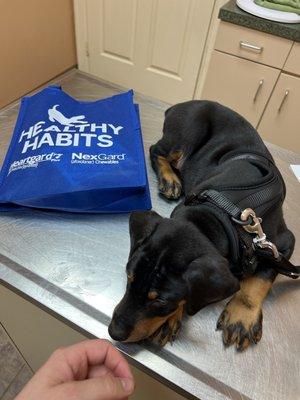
x,y
252,45
281,120
257,75
293,62
242,85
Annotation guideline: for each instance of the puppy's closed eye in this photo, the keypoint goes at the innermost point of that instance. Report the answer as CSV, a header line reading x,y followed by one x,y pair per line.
x,y
159,303
155,300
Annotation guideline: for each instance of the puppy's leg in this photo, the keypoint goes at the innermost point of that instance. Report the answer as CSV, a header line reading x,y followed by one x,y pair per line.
x,y
168,182
241,320
169,330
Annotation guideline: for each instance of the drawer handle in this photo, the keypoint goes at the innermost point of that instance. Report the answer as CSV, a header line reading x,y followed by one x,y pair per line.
x,y
283,100
261,82
248,46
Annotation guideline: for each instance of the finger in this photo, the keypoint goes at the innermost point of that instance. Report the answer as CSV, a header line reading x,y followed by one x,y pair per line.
x,y
97,371
72,363
97,352
117,363
105,388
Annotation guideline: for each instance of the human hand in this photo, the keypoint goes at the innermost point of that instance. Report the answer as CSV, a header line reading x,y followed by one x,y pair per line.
x,y
90,370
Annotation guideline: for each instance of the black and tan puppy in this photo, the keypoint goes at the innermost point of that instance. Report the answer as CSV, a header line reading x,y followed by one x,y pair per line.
x,y
199,255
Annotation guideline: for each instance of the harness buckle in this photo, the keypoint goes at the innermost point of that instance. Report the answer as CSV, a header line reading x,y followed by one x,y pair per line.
x,y
260,240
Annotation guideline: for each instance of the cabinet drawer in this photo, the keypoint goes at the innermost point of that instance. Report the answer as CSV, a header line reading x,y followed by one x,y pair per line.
x,y
293,62
281,120
242,85
252,45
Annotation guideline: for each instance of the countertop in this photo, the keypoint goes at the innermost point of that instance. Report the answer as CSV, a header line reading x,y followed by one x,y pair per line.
x,y
230,12
74,266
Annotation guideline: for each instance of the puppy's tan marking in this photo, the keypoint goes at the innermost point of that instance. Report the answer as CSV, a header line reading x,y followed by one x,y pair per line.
x,y
169,183
147,326
152,295
130,278
176,158
165,169
241,320
169,330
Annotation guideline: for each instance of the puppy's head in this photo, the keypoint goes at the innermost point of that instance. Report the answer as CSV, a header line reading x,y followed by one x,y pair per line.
x,y
170,264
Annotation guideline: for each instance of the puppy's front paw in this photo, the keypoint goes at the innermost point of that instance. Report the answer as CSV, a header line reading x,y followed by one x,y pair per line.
x,y
169,330
170,187
241,323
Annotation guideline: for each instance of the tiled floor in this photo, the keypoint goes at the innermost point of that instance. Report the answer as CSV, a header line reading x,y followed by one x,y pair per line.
x,y
14,372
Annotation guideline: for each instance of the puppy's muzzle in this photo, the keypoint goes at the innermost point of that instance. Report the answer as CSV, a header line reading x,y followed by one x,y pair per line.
x,y
119,329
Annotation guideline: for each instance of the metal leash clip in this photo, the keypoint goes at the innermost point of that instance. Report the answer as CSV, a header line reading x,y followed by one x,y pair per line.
x,y
260,239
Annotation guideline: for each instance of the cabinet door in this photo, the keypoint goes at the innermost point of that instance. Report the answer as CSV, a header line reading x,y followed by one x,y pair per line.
x,y
239,84
152,46
281,120
293,62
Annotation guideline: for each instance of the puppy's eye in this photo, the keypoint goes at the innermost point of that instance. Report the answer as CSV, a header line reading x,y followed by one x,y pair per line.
x,y
159,302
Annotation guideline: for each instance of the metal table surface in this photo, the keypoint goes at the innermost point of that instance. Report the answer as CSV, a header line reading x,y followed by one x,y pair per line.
x,y
74,265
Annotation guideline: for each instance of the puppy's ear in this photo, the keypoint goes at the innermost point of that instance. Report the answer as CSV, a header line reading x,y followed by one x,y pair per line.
x,y
208,280
141,225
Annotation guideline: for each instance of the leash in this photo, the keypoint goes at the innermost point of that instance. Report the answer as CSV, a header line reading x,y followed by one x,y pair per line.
x,y
254,242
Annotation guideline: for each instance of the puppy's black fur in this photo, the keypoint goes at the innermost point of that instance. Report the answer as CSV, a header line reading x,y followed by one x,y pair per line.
x,y
185,261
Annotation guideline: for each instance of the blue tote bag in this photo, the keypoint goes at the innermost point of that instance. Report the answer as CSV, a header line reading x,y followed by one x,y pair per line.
x,y
76,156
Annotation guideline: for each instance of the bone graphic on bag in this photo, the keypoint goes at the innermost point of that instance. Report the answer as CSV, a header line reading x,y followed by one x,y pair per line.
x,y
55,115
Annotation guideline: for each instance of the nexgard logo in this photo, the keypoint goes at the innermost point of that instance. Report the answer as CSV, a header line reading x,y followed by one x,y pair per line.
x,y
82,158
68,131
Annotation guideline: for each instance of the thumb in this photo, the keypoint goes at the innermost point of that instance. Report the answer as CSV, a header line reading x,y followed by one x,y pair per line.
x,y
104,388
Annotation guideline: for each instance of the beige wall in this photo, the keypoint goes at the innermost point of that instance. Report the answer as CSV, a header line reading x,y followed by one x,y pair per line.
x,y
36,43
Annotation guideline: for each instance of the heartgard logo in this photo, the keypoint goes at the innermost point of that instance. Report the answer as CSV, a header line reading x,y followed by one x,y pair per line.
x,y
34,161
62,131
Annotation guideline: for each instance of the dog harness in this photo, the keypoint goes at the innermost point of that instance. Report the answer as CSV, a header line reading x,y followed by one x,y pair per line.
x,y
237,208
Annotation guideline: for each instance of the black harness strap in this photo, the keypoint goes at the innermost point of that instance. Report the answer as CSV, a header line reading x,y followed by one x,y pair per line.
x,y
221,201
241,242
228,203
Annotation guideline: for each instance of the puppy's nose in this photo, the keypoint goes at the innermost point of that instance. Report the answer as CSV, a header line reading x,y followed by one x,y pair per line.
x,y
118,332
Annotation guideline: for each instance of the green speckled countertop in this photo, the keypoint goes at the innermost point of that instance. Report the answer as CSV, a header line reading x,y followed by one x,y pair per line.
x,y
230,12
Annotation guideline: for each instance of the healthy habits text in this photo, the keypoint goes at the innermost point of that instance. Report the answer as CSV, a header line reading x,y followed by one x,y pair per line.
x,y
73,135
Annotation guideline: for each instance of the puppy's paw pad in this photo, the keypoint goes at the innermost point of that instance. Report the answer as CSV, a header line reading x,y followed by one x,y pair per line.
x,y
162,335
171,188
168,332
241,324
